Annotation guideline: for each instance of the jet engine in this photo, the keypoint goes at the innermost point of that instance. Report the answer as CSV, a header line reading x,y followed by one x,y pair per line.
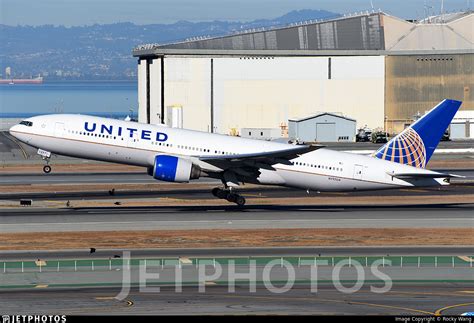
x,y
174,169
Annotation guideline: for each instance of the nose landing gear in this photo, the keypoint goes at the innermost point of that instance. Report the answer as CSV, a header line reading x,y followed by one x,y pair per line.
x,y
46,156
227,194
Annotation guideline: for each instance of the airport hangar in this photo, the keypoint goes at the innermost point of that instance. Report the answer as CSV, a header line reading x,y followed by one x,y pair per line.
x,y
378,69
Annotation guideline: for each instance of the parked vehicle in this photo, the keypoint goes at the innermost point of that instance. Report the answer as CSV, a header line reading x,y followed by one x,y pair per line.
x,y
445,136
379,137
363,135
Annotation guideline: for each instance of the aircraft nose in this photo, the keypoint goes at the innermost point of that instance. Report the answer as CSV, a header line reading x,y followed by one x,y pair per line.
x,y
13,130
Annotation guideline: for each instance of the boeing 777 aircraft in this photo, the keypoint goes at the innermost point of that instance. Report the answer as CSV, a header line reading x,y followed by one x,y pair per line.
x,y
179,155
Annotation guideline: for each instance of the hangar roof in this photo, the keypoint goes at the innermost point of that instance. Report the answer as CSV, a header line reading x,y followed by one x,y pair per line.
x,y
314,116
375,33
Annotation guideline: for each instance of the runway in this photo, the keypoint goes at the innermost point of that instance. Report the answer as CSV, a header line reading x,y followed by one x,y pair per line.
x,y
138,178
230,217
192,191
446,299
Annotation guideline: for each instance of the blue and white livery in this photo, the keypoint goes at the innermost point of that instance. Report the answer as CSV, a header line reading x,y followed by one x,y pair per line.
x,y
179,155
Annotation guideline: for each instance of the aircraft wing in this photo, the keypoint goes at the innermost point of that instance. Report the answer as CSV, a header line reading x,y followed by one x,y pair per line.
x,y
423,175
259,160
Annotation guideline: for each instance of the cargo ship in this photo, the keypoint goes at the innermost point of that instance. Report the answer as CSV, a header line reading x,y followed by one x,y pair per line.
x,y
37,80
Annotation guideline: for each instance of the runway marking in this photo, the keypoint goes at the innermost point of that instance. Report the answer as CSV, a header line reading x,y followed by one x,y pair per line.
x,y
438,312
466,258
393,307
334,301
41,286
25,155
421,293
83,310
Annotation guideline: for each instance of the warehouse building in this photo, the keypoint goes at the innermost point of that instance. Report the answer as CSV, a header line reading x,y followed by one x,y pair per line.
x,y
324,127
378,69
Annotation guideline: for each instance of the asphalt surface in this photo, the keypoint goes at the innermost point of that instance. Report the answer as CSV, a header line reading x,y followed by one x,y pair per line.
x,y
189,192
231,217
140,178
89,178
435,298
242,252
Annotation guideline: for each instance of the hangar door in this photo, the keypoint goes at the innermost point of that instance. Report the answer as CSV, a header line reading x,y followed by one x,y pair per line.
x,y
325,132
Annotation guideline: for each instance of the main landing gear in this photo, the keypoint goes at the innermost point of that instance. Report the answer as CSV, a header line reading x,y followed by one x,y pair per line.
x,y
227,194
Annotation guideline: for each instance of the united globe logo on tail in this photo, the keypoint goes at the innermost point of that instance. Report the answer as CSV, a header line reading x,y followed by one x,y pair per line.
x,y
407,148
416,144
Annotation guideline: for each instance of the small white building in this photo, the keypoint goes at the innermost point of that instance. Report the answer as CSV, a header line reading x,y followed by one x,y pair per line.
x,y
323,127
462,126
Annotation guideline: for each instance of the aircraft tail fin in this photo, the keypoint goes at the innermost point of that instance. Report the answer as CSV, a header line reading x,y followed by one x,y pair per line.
x,y
415,145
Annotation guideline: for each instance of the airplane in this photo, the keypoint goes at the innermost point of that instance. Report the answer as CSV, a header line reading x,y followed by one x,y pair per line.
x,y
180,155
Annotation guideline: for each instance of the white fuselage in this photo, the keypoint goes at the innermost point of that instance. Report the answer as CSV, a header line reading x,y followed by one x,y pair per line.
x,y
137,144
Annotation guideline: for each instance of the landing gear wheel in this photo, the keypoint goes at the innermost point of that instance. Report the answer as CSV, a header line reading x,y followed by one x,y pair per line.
x,y
228,195
240,200
215,191
222,194
47,169
231,198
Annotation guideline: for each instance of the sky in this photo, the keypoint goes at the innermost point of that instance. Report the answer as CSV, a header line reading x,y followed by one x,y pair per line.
x,y
88,12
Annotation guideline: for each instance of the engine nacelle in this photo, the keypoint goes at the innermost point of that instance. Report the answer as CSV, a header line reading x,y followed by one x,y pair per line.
x,y
174,169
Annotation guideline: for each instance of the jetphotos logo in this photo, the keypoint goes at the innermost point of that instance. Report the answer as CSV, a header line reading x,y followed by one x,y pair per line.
x,y
33,318
277,275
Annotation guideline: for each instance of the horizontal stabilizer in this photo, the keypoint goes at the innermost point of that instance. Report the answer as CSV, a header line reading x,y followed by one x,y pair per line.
x,y
423,175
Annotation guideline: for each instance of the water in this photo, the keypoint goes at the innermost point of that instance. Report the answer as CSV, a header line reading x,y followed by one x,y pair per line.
x,y
108,99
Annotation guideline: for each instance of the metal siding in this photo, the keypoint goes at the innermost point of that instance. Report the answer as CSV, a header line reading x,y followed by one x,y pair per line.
x,y
349,34
142,91
259,40
458,131
288,38
417,83
188,84
325,132
271,40
155,91
313,40
355,33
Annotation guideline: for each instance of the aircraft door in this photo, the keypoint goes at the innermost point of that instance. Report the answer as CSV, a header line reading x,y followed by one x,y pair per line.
x,y
132,142
59,129
358,171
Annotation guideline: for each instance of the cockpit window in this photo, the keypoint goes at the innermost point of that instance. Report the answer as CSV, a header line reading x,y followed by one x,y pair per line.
x,y
27,123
